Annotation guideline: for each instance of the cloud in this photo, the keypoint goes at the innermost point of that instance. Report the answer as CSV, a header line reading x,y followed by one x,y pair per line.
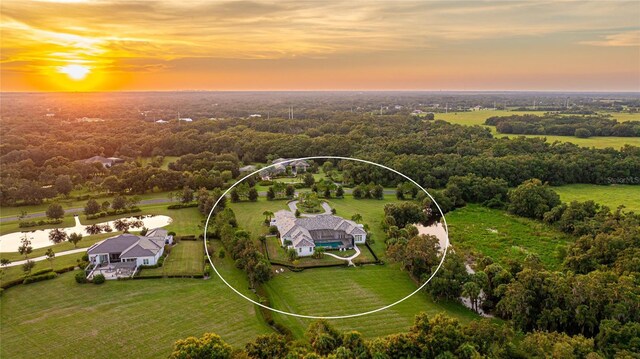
x,y
627,38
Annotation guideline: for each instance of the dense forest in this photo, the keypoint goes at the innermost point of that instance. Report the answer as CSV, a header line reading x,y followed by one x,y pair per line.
x,y
587,308
582,126
35,153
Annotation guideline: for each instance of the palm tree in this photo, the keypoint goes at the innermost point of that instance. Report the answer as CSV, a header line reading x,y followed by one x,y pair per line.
x,y
267,215
356,217
472,291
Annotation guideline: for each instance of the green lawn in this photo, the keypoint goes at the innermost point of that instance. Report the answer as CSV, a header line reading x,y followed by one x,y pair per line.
x,y
186,259
478,117
611,196
165,161
69,203
121,319
495,233
340,291
249,214
372,211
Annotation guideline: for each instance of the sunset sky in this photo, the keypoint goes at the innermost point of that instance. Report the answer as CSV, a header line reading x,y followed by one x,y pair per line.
x,y
108,45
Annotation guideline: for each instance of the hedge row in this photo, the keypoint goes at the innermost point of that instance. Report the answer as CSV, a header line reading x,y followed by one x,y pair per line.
x,y
113,213
23,280
39,223
182,205
38,278
187,238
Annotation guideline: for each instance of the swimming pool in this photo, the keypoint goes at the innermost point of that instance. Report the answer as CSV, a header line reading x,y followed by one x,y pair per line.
x,y
336,244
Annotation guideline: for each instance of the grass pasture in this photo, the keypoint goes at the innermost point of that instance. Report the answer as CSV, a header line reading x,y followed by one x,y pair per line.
x,y
473,118
611,196
501,236
120,319
341,291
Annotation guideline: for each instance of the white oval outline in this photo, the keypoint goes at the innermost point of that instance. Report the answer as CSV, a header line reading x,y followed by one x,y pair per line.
x,y
338,316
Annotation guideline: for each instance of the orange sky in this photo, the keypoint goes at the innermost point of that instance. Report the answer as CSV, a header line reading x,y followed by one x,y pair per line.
x,y
108,45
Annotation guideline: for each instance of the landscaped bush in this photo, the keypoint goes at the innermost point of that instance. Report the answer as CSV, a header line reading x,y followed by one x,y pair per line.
x,y
65,269
221,253
10,283
207,270
38,278
98,279
42,271
265,183
81,277
273,230
39,223
113,213
182,205
187,238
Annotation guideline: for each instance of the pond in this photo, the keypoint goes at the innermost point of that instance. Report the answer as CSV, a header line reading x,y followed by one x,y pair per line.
x,y
40,238
436,229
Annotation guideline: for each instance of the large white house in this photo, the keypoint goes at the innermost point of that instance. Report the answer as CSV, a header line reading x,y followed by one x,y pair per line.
x,y
324,230
122,255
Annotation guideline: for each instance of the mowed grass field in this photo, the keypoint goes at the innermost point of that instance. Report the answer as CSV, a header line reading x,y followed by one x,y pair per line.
x,y
472,118
124,319
343,291
186,259
495,233
611,196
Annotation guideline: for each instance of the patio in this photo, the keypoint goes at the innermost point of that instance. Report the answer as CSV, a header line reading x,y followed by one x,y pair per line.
x,y
115,270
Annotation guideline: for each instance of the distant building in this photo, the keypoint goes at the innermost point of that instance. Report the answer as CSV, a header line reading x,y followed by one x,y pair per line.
x,y
162,121
248,169
185,119
89,119
105,161
255,115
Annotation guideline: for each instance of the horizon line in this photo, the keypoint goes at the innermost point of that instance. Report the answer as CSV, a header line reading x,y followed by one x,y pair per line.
x,y
336,90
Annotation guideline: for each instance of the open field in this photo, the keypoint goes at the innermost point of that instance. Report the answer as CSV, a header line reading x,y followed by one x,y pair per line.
x,y
478,117
341,291
132,319
501,236
165,161
611,196
186,259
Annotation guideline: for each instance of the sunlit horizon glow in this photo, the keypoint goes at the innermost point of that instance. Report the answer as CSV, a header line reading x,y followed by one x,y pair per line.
x,y
109,45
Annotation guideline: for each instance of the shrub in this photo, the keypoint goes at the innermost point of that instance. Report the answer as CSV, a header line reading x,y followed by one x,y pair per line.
x,y
43,271
38,278
207,270
182,205
171,233
273,230
81,278
221,253
98,279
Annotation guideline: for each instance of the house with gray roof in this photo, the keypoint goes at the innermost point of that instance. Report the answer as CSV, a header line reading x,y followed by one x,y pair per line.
x,y
106,162
325,230
122,255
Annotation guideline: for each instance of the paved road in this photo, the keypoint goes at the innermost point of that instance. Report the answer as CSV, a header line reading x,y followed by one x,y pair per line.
x,y
78,210
41,258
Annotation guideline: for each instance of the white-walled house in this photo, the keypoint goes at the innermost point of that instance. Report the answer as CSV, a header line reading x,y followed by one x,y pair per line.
x,y
324,230
125,253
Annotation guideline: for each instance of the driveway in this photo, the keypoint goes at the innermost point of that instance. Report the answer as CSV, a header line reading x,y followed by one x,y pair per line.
x,y
293,206
41,258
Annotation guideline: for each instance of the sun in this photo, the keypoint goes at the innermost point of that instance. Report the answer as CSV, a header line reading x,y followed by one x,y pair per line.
x,y
75,72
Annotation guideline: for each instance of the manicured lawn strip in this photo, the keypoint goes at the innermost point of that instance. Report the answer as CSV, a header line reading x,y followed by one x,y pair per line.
x,y
611,196
120,319
501,236
15,272
71,203
186,259
69,221
341,291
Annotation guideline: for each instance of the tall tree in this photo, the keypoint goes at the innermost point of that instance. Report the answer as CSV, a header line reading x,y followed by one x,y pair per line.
x,y
55,211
